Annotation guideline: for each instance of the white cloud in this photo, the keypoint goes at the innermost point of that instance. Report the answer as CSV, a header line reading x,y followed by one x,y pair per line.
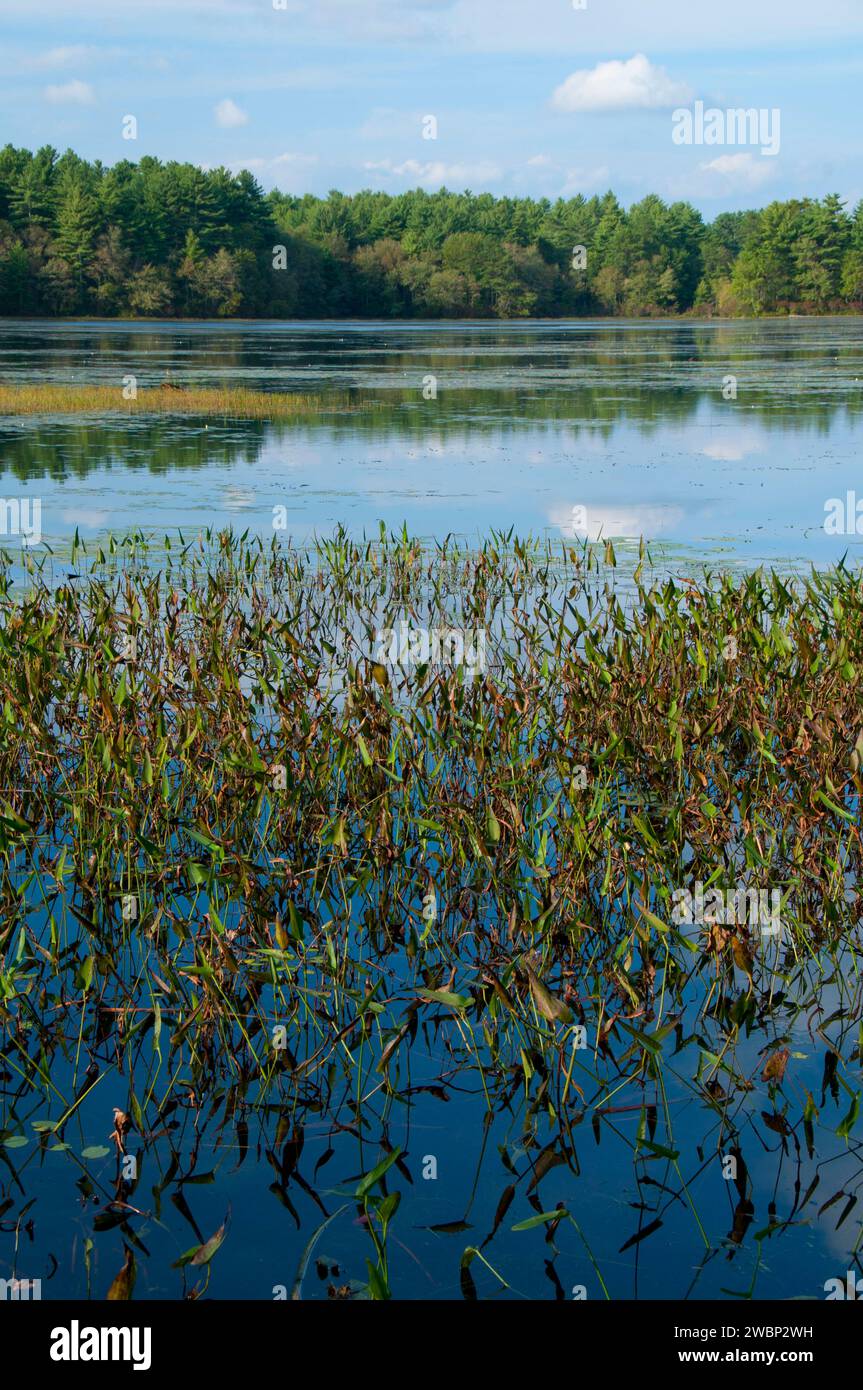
x,y
741,170
285,171
390,123
71,93
295,160
585,180
278,161
228,114
434,173
552,26
63,57
382,20
733,448
549,26
232,9
83,516
601,522
630,85
238,499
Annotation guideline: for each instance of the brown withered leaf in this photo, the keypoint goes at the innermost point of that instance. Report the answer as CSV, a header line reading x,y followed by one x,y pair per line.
x,y
122,1125
390,1048
774,1069
552,1009
742,956
777,1123
500,990
503,1207
124,1282
547,1160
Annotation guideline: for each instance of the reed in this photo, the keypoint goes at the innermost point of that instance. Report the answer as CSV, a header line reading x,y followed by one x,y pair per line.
x,y
227,403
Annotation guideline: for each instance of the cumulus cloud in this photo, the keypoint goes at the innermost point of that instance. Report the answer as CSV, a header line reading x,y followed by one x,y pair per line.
x,y
585,180
71,94
287,171
275,161
596,522
228,114
84,516
740,170
295,159
63,57
732,450
633,84
434,173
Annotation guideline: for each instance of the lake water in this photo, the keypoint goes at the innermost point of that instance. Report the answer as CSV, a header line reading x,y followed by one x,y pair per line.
x,y
719,441
629,421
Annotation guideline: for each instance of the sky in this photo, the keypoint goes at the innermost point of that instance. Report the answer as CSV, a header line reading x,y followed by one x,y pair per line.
x,y
543,97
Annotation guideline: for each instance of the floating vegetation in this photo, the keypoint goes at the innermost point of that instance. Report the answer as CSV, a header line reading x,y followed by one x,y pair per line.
x,y
235,402
270,898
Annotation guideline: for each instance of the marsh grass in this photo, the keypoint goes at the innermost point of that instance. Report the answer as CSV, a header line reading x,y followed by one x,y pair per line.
x,y
237,403
279,807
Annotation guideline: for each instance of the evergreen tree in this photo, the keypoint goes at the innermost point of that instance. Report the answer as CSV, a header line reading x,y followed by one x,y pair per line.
x,y
75,228
158,238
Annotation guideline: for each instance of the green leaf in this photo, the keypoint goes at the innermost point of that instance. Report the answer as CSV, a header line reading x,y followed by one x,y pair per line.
x,y
202,1254
832,806
540,1220
84,977
659,1150
445,996
850,1120
368,1182
377,1286
651,917
647,1042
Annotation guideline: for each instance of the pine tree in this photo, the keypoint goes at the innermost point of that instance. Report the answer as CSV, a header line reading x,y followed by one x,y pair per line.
x,y
75,228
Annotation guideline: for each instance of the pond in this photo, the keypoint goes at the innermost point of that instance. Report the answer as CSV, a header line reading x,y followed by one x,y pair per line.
x,y
541,1086
720,441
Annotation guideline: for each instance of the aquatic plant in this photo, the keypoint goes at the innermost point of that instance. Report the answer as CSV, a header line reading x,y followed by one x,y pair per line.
x,y
167,398
248,866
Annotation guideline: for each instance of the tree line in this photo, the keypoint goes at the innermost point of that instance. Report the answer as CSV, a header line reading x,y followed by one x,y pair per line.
x,y
157,239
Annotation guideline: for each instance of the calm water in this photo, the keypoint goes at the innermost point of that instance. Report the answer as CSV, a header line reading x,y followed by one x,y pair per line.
x,y
627,420
636,1156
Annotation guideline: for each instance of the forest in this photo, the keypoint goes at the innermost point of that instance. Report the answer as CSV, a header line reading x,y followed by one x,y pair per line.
x,y
160,239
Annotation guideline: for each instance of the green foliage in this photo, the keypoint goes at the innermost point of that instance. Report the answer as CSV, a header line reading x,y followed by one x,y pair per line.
x,y
160,239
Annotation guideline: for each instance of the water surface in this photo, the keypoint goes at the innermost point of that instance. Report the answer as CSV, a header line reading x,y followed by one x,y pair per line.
x,y
475,426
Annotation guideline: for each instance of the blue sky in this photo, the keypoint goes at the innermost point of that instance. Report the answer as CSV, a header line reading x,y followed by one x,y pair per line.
x,y
529,96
